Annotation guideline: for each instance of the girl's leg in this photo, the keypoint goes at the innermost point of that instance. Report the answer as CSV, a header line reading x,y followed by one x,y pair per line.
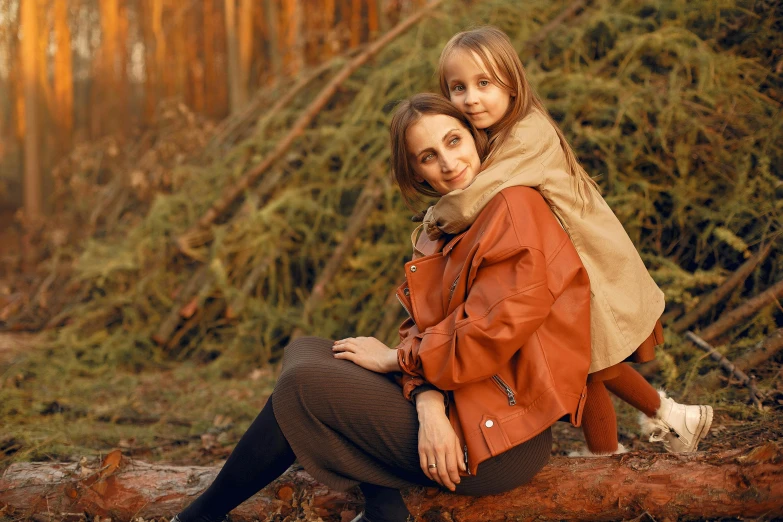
x,y
599,421
679,426
261,455
633,388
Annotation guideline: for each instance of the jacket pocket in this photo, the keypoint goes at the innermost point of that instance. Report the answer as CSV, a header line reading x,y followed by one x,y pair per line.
x,y
506,389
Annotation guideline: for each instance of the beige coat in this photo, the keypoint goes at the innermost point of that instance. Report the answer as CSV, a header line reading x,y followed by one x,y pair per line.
x,y
625,302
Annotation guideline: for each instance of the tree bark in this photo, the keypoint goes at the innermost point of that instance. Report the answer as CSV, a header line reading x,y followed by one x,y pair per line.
x,y
735,483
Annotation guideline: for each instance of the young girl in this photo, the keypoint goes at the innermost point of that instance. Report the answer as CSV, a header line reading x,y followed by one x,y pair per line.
x,y
481,73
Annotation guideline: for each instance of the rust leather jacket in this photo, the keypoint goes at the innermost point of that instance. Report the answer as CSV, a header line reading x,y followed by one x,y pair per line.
x,y
500,319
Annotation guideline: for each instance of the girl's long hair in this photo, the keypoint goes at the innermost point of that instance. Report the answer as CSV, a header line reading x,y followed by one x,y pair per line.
x,y
499,58
407,113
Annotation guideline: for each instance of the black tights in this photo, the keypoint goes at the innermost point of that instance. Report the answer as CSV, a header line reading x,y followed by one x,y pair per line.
x,y
262,455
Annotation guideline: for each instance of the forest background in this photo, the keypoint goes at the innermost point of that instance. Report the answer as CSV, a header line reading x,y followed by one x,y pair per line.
x,y
186,186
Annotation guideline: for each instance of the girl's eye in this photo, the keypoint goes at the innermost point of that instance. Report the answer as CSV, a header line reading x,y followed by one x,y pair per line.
x,y
454,140
483,83
458,88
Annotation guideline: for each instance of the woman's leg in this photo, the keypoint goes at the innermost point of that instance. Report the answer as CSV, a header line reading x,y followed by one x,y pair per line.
x,y
599,421
510,469
261,456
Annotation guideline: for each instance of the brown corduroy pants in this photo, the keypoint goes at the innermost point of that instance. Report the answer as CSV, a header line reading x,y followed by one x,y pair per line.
x,y
348,425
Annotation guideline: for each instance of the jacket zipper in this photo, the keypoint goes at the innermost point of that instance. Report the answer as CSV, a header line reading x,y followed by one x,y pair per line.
x,y
453,287
465,453
512,401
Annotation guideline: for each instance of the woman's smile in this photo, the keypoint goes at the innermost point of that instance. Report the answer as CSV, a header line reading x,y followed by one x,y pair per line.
x,y
443,153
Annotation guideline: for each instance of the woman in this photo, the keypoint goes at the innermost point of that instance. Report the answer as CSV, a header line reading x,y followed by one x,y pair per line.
x,y
496,349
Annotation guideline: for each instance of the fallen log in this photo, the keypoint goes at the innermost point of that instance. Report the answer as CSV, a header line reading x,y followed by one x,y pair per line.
x,y
742,312
716,296
744,482
762,352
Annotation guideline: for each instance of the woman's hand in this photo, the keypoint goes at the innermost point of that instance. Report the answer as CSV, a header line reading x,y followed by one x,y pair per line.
x,y
367,352
438,444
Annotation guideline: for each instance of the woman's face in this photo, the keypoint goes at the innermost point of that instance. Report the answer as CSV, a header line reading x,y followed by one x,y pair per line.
x,y
442,152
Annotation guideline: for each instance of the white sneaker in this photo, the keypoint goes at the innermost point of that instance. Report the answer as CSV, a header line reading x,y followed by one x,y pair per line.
x,y
679,426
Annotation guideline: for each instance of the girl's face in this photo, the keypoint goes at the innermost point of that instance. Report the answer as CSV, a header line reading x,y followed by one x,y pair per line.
x,y
473,89
442,153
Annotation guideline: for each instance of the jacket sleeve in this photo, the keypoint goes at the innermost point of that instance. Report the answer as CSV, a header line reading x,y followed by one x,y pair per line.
x,y
410,382
507,301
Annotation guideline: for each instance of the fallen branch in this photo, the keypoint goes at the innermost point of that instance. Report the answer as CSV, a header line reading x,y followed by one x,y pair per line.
x,y
231,193
366,203
739,314
200,282
762,352
728,366
744,482
173,318
716,296
235,124
236,306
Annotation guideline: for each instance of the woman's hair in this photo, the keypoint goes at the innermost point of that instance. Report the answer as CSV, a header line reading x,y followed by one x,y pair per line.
x,y
405,116
499,58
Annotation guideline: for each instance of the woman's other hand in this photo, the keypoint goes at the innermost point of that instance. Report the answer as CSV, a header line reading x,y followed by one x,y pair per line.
x,y
438,444
367,352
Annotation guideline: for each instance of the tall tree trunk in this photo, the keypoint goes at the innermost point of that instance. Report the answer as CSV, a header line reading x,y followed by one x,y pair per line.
x,y
152,73
160,49
236,93
293,38
208,24
33,200
219,82
273,39
356,23
104,102
373,21
245,44
177,30
195,63
45,92
121,95
331,40
63,75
